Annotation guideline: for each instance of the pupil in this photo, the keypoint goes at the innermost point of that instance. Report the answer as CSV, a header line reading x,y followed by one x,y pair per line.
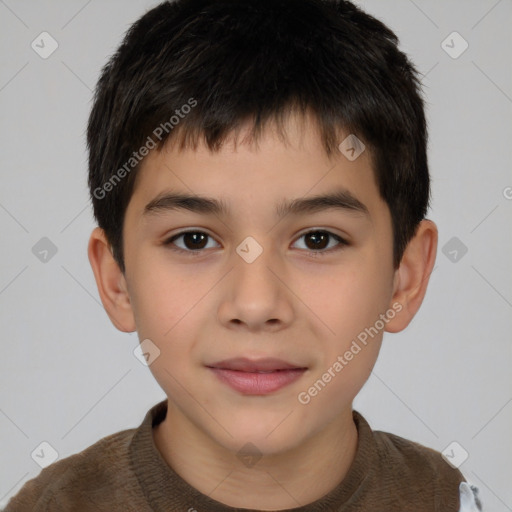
x,y
316,236
193,237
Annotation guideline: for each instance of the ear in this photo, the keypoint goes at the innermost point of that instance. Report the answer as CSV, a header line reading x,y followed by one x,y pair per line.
x,y
111,282
412,276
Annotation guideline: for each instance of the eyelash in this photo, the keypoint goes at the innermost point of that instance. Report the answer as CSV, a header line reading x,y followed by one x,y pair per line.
x,y
312,253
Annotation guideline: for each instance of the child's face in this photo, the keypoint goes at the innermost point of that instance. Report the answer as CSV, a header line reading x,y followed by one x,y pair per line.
x,y
211,305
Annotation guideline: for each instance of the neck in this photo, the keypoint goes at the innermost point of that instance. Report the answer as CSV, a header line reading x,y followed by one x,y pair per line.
x,y
290,479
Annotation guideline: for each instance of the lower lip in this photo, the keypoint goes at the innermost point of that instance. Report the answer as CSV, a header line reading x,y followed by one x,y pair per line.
x,y
250,383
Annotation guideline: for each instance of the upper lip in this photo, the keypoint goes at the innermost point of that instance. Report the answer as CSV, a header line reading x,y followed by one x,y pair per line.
x,y
244,364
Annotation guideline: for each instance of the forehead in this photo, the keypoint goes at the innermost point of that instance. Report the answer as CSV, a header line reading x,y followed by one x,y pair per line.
x,y
269,172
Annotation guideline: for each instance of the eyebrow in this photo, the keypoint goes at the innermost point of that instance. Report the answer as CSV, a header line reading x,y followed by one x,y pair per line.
x,y
340,200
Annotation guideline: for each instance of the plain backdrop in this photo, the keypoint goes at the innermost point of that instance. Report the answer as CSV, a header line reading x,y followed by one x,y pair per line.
x,y
69,378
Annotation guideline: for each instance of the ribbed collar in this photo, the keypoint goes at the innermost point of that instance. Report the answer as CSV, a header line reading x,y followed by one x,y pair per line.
x,y
166,491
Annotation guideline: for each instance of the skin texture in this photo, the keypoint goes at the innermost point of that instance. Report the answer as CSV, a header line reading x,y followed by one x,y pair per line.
x,y
289,303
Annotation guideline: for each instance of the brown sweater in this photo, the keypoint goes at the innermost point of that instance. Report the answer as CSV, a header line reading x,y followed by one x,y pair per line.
x,y
126,472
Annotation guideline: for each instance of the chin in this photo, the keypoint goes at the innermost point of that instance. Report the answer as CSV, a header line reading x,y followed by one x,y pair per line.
x,y
266,437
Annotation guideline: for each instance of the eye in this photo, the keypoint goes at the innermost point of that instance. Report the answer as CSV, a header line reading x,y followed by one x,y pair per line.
x,y
318,242
194,242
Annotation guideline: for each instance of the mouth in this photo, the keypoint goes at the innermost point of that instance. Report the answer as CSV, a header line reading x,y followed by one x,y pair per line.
x,y
256,377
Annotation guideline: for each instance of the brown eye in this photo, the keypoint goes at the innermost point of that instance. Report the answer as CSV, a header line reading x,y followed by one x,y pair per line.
x,y
192,241
319,242
318,239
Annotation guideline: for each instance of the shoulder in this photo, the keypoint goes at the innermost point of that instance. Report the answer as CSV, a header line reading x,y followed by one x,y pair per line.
x,y
417,458
104,464
422,472
422,465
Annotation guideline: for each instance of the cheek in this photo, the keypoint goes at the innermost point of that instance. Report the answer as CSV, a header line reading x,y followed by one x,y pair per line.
x,y
161,297
166,306
347,301
170,305
350,347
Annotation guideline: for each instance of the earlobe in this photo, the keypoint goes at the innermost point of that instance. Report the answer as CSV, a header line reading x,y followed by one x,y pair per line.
x,y
111,282
413,274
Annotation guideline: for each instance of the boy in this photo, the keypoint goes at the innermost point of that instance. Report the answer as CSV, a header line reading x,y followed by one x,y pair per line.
x,y
259,175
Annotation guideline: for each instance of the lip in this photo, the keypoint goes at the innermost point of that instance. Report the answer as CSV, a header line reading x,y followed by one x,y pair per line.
x,y
244,364
256,376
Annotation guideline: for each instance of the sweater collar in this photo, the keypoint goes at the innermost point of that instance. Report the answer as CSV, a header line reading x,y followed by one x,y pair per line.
x,y
166,491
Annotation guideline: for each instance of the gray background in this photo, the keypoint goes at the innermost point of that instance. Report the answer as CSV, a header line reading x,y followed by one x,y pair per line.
x,y
69,378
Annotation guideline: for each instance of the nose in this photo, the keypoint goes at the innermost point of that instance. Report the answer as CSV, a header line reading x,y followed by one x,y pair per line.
x,y
256,295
